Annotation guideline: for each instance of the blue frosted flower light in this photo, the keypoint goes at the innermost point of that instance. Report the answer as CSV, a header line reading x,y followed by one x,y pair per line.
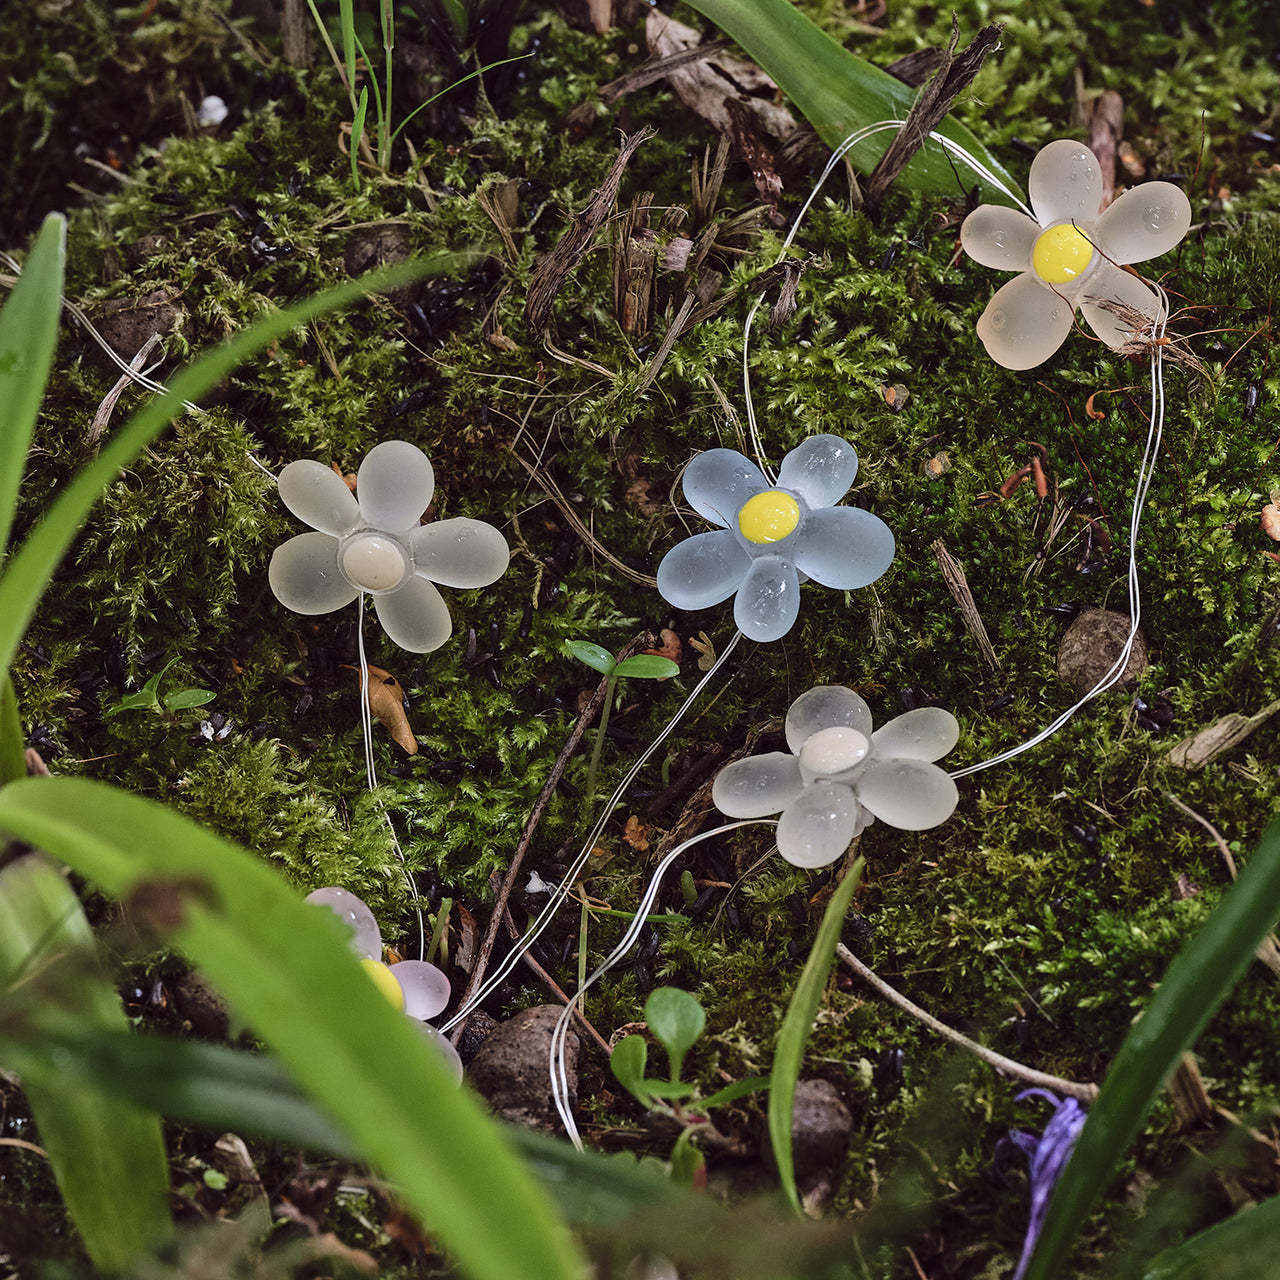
x,y
773,537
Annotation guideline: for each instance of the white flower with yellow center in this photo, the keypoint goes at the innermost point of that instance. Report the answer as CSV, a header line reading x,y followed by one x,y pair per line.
x,y
377,545
1070,255
841,774
773,537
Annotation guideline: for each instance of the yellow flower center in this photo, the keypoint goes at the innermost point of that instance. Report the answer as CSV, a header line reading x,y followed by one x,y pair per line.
x,y
769,516
385,981
1061,254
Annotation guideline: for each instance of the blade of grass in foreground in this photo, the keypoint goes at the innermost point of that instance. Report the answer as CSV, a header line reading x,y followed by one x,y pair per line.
x,y
287,969
1197,982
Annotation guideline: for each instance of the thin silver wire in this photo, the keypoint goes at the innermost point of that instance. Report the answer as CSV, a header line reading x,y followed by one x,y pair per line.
x,y
560,1034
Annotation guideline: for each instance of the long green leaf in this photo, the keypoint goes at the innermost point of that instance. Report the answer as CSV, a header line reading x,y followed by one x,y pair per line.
x,y
839,93
107,1154
28,572
796,1027
287,969
13,757
28,333
1232,1250
1197,982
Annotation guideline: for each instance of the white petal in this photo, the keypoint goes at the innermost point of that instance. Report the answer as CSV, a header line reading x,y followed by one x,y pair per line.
x,y
395,484
304,575
1144,222
819,826
1065,184
768,602
999,237
820,469
366,938
318,496
440,1043
702,570
927,733
459,552
844,547
1111,282
426,989
912,795
757,787
826,706
415,617
1024,323
719,481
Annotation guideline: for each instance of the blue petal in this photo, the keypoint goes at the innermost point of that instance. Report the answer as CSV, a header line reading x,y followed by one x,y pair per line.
x,y
844,547
718,482
820,469
768,602
702,570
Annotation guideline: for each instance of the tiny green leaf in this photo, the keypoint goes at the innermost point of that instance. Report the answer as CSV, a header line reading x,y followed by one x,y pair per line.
x,y
738,1089
687,1161
593,655
677,1019
627,1062
185,699
647,666
670,1089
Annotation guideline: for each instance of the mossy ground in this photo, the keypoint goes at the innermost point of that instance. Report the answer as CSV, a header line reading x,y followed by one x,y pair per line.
x,y
1002,921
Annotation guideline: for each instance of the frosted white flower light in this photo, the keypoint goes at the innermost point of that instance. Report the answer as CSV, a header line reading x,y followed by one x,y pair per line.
x,y
841,775
773,537
1070,255
377,545
417,988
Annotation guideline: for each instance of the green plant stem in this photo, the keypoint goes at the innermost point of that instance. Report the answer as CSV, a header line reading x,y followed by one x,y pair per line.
x,y
384,120
593,769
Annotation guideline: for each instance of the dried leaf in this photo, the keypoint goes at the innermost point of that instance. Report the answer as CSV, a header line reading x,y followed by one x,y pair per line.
x,y
348,478
469,934
1270,521
635,833
1095,414
671,647
705,649
388,704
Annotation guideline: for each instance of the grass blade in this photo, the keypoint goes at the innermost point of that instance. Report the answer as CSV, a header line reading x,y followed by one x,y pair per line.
x,y
286,968
797,1025
1229,1251
1197,981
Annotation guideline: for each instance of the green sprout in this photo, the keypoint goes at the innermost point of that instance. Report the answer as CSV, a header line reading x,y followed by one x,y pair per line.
x,y
149,698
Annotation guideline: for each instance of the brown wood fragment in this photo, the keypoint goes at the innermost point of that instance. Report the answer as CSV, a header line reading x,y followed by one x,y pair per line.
x,y
954,74
1190,1098
954,576
917,66
103,415
1104,116
658,69
1208,744
634,265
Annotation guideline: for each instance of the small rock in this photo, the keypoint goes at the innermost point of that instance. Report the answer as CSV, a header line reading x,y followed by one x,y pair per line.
x,y
202,1006
380,245
510,1070
127,324
480,1026
821,1126
1091,646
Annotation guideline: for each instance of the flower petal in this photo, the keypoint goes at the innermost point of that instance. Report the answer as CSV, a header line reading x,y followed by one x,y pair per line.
x,y
1144,222
366,937
757,787
702,570
1065,184
819,826
826,706
1112,283
999,237
304,575
844,547
1024,323
927,733
319,496
415,616
440,1041
459,552
768,602
820,469
909,794
395,484
426,989
719,481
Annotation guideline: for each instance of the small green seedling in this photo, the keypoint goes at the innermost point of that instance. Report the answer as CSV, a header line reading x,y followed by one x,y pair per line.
x,y
149,698
676,1020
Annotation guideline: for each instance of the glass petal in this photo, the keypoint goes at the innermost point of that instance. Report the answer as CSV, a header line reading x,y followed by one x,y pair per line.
x,y
426,989
999,237
768,602
1119,286
366,938
719,481
459,552
394,484
819,826
415,616
927,733
1024,323
304,575
702,570
826,706
440,1042
912,795
319,496
844,547
1065,184
757,787
1144,222
820,469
